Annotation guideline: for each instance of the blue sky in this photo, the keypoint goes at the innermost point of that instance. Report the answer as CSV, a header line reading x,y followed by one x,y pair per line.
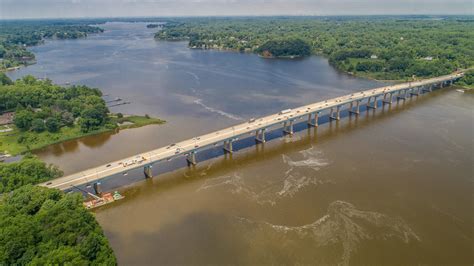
x,y
114,8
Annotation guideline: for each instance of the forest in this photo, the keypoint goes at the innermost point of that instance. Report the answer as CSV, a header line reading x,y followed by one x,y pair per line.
x,y
387,48
284,48
42,226
45,113
30,170
16,36
40,105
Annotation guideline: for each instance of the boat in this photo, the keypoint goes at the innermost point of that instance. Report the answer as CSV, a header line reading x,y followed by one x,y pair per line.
x,y
106,198
459,90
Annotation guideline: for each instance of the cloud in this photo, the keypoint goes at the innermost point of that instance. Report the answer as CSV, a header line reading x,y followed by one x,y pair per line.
x,y
112,8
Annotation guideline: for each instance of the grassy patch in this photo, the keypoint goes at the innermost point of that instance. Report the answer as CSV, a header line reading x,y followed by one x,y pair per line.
x,y
135,121
17,142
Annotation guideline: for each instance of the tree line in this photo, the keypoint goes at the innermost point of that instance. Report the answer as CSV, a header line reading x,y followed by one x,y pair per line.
x,y
41,226
40,105
16,36
390,47
284,48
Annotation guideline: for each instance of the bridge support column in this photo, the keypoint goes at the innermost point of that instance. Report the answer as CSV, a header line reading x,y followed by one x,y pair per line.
x,y
389,101
338,113
191,158
415,91
374,106
147,171
228,146
357,111
400,95
427,88
260,136
313,122
97,189
288,127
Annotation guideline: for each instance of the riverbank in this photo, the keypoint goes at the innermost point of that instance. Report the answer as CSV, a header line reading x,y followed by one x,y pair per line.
x,y
375,76
16,142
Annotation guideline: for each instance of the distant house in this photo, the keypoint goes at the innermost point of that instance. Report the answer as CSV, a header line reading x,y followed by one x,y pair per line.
x,y
6,118
373,57
428,58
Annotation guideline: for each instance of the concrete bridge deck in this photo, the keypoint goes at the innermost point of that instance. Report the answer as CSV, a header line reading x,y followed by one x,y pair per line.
x,y
258,126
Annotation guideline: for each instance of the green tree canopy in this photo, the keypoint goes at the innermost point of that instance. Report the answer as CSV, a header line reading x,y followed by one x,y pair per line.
x,y
41,226
30,170
4,79
58,106
285,47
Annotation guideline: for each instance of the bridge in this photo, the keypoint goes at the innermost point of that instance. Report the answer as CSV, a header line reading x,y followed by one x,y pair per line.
x,y
258,127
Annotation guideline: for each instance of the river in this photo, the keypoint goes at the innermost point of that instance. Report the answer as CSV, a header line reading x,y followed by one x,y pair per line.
x,y
391,186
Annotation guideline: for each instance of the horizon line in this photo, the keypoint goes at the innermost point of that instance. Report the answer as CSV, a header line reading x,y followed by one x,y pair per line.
x,y
240,16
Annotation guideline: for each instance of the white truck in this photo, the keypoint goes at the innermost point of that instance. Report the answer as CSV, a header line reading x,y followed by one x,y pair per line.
x,y
286,111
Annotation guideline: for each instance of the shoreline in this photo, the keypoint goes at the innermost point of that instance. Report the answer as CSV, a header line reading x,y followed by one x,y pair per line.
x,y
284,57
134,121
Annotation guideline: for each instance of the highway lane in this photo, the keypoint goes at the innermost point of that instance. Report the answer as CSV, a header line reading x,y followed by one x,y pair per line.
x,y
214,138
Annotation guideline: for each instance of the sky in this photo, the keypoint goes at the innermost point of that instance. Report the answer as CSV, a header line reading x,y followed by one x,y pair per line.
x,y
12,9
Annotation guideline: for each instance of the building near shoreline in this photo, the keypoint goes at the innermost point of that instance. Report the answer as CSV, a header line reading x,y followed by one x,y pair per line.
x,y
6,118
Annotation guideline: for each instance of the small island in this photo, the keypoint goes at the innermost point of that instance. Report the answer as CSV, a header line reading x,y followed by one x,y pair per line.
x,y
152,26
285,48
36,113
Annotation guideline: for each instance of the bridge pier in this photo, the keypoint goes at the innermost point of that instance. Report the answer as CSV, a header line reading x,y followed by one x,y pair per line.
x,y
97,189
228,146
338,113
374,106
191,158
313,122
415,91
260,136
425,89
147,171
357,111
288,127
402,97
385,101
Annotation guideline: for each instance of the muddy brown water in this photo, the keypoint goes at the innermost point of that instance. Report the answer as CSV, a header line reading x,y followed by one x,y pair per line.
x,y
392,186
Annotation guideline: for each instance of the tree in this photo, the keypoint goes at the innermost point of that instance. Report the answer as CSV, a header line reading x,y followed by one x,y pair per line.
x,y
37,125
23,119
91,119
4,79
53,124
67,118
